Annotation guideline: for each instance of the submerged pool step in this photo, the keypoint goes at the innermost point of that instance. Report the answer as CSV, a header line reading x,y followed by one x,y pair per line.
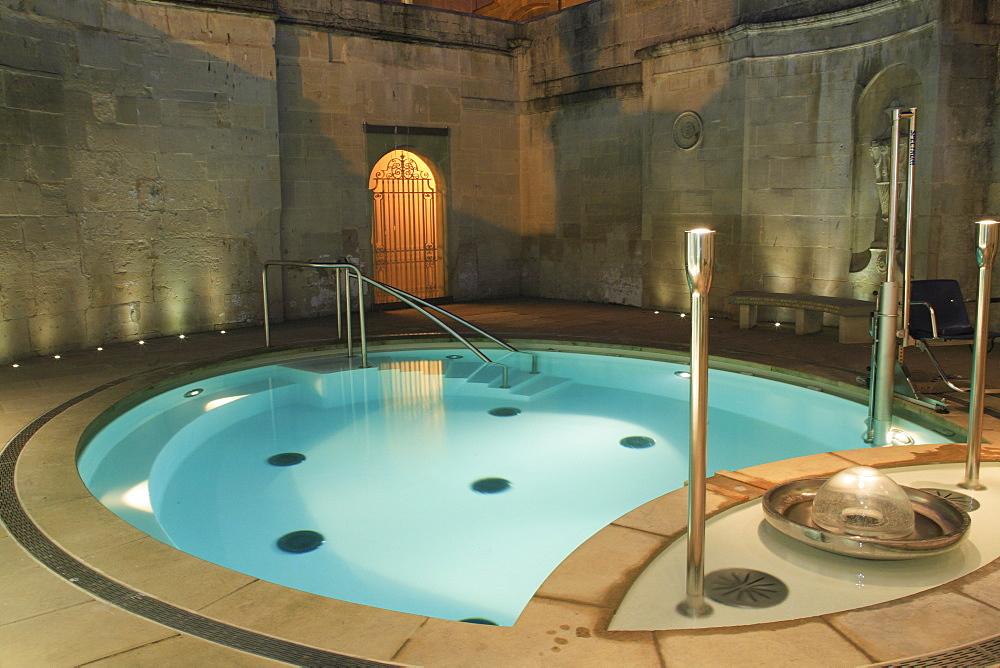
x,y
538,384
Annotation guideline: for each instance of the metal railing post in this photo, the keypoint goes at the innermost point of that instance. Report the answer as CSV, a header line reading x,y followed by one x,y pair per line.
x,y
699,262
361,315
987,236
340,305
267,321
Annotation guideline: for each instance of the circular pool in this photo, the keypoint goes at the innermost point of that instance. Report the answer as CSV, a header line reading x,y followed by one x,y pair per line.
x,y
419,483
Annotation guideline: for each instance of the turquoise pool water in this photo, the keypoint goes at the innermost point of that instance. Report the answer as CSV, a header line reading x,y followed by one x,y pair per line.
x,y
419,484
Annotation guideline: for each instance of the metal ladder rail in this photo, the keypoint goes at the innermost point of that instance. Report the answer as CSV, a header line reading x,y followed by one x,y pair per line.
x,y
410,300
413,300
418,304
339,266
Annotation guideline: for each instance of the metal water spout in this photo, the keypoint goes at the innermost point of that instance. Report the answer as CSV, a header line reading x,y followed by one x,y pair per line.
x,y
700,264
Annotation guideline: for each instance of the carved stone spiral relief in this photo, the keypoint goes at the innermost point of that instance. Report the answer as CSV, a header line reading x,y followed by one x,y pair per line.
x,y
687,130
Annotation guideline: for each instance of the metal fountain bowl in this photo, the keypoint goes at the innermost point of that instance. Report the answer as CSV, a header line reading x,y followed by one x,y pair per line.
x,y
940,525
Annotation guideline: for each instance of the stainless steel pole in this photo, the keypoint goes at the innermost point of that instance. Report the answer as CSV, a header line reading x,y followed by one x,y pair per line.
x,y
361,319
883,375
911,160
700,263
987,236
337,273
267,321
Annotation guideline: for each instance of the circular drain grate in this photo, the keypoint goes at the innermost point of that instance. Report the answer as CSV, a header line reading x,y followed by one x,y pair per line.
x,y
453,357
963,501
298,542
491,485
505,411
479,620
744,588
637,442
286,459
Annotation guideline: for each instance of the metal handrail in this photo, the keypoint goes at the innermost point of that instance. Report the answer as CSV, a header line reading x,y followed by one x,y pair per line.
x,y
416,302
405,297
350,269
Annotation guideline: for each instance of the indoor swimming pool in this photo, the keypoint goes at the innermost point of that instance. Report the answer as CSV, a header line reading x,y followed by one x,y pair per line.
x,y
420,484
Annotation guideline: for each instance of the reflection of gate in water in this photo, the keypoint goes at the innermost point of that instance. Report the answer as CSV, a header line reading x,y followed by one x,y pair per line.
x,y
407,231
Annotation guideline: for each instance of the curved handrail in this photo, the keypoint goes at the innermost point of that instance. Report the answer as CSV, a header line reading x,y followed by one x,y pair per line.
x,y
351,269
413,301
405,297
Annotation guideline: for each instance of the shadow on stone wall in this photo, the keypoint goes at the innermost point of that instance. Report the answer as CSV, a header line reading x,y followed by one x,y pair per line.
x,y
142,168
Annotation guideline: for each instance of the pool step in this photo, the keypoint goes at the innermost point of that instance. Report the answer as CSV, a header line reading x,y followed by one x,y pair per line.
x,y
521,383
539,384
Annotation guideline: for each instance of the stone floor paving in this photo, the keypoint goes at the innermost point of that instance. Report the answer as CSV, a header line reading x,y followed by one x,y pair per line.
x,y
46,620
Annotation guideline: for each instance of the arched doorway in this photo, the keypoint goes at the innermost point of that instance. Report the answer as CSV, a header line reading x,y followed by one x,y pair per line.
x,y
407,229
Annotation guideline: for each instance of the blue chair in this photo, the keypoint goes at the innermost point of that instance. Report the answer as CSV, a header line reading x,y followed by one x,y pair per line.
x,y
938,317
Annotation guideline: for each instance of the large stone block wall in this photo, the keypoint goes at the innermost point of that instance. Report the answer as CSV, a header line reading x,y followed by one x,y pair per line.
x,y
139,182
697,187
330,86
153,155
582,186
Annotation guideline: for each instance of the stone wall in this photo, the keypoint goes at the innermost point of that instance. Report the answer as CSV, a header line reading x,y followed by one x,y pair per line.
x,y
139,172
786,98
795,197
332,86
153,155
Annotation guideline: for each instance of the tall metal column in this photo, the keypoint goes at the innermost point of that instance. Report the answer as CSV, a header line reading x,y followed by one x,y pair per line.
x,y
888,329
700,263
987,237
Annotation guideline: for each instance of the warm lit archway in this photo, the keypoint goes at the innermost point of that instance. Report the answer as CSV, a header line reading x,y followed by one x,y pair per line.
x,y
407,230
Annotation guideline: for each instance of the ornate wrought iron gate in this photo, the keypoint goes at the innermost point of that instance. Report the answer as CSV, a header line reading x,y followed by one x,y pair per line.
x,y
407,231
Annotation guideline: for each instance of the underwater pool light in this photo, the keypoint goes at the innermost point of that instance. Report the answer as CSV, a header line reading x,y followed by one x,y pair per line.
x,y
900,437
138,497
222,401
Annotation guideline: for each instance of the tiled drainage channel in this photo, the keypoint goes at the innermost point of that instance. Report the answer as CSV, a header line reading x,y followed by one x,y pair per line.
x,y
981,654
24,531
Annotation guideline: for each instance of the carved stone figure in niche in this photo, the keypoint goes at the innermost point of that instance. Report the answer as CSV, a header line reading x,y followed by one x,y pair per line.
x,y
868,266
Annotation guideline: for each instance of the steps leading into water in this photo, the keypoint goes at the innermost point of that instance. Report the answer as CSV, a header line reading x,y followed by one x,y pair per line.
x,y
454,372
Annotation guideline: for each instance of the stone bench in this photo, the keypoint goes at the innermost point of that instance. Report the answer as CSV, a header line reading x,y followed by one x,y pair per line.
x,y
854,314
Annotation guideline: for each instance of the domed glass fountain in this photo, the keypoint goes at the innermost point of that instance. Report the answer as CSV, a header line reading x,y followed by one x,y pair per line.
x,y
862,501
859,512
